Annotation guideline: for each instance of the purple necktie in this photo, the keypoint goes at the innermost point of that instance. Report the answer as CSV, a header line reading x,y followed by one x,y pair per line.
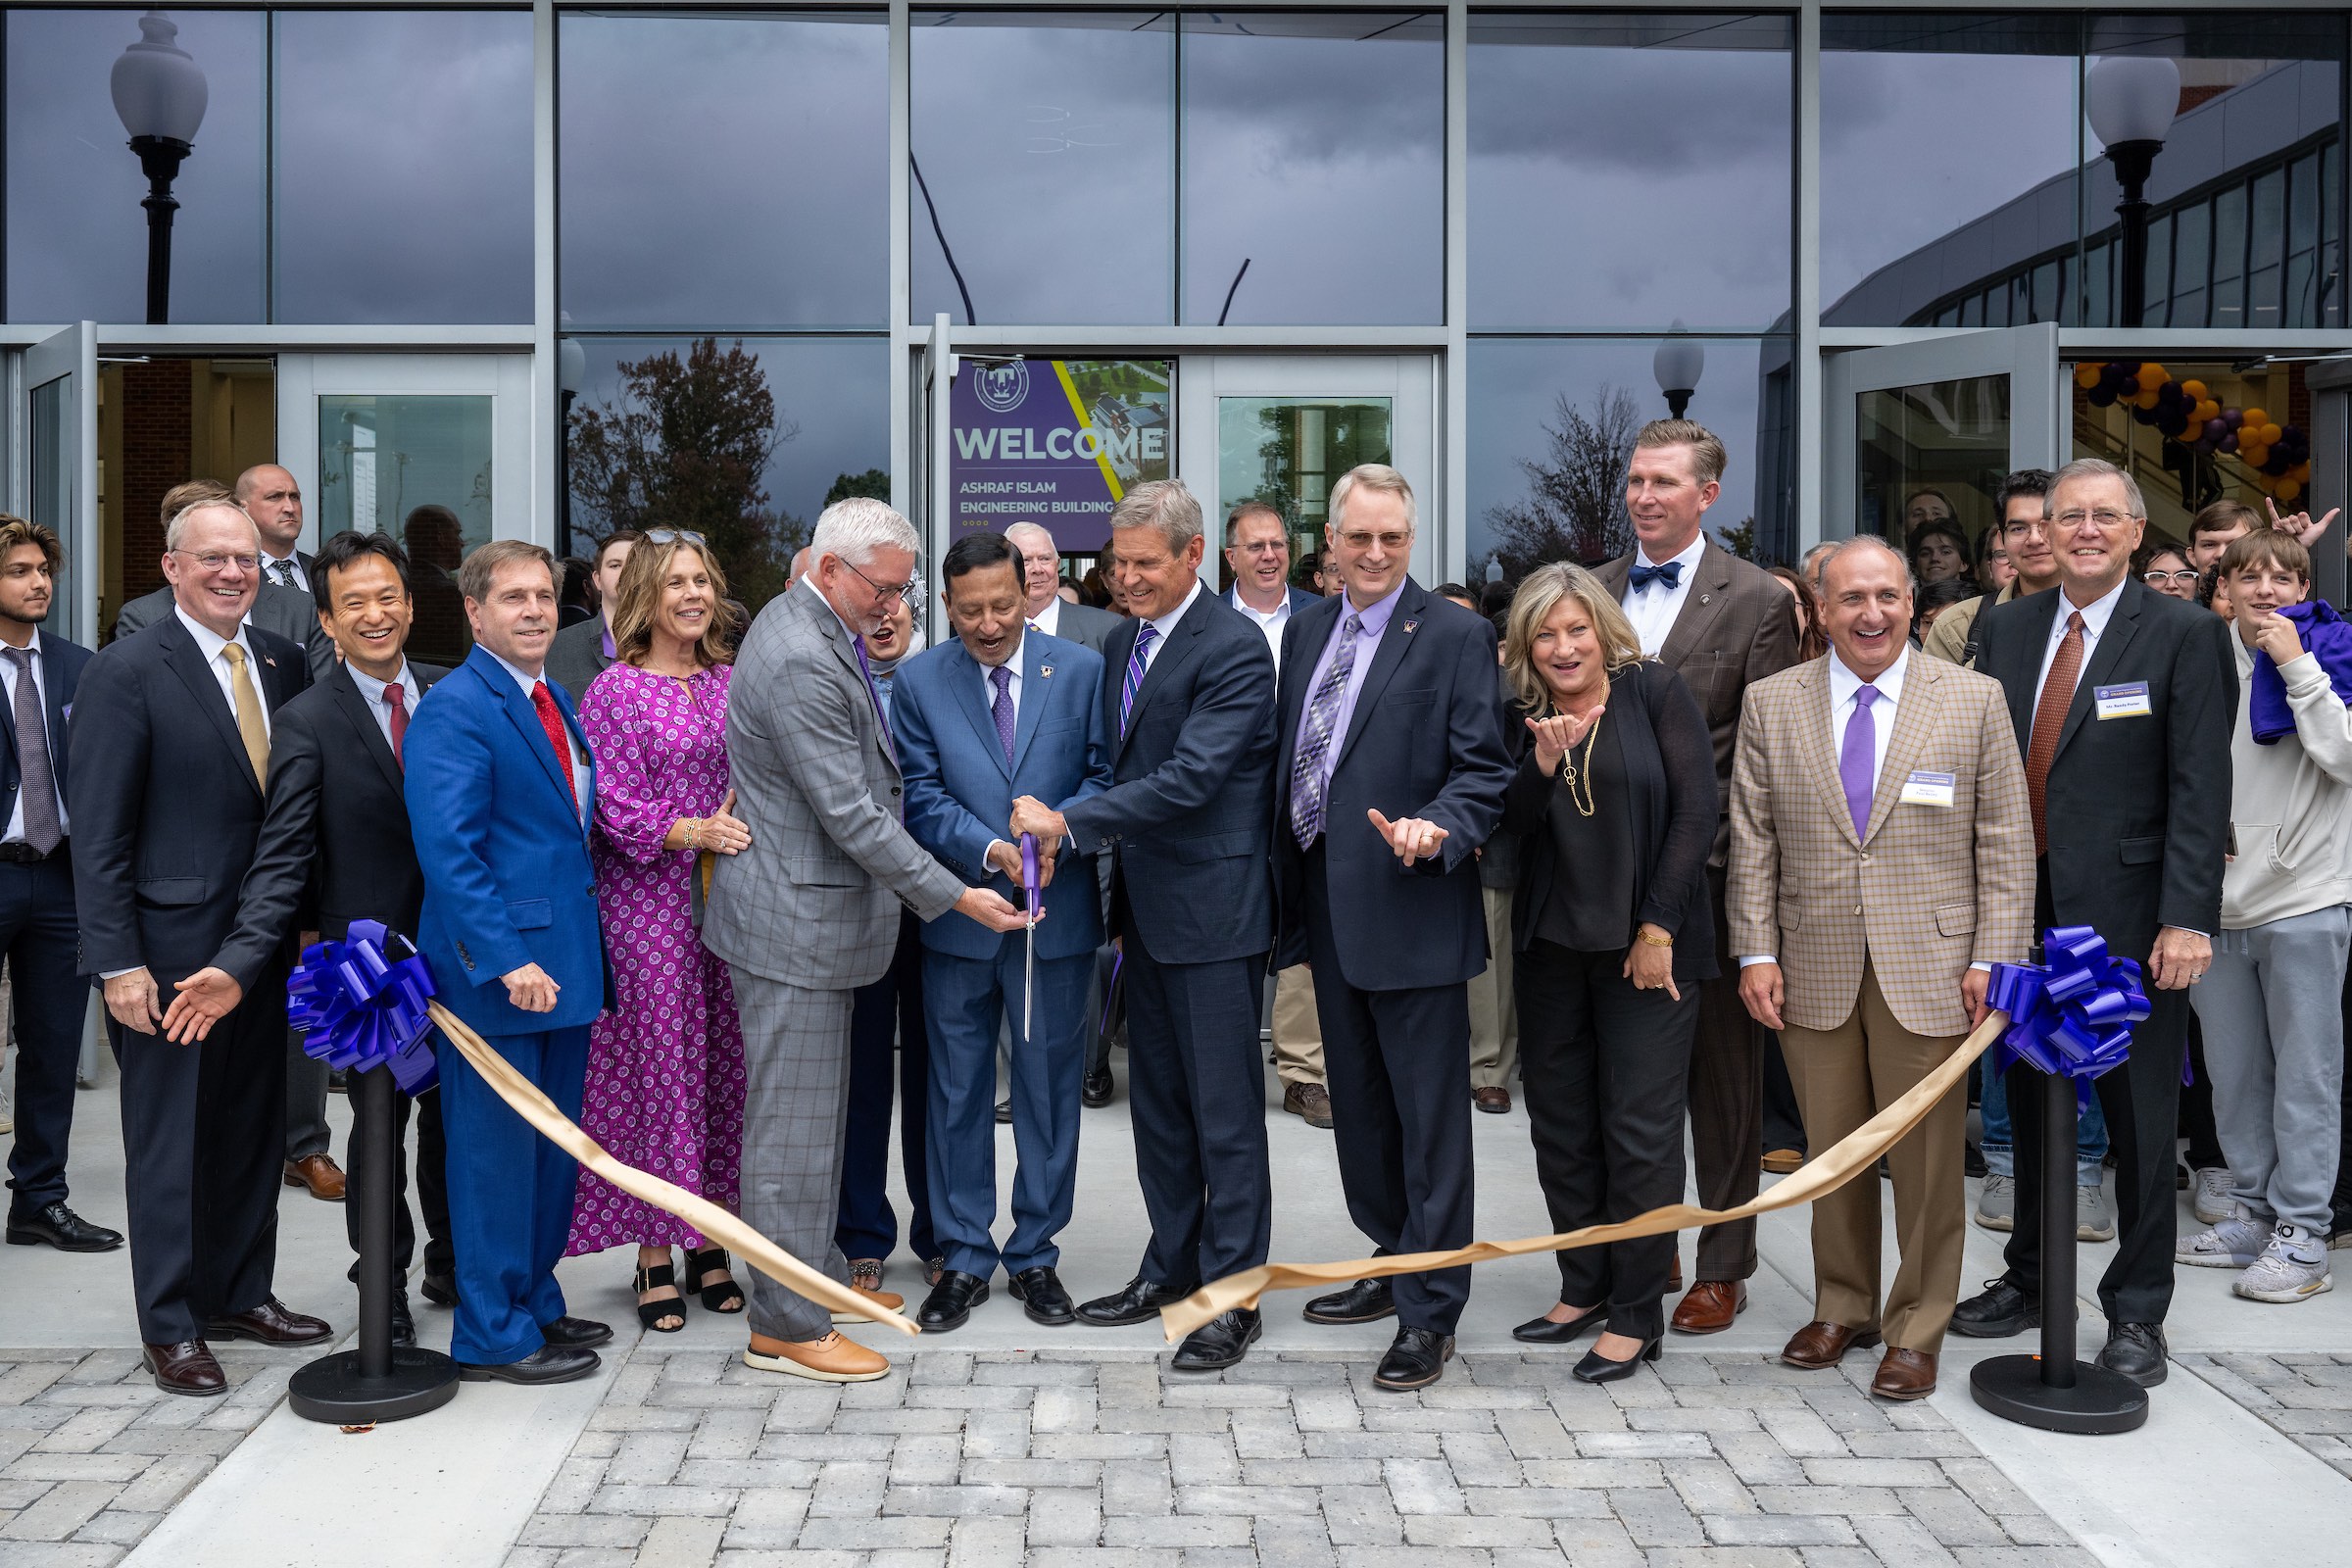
x,y
1001,677
1308,778
1858,762
1134,672
865,668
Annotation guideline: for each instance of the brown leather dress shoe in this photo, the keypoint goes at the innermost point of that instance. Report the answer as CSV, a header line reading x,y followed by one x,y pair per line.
x,y
320,1173
1904,1375
187,1367
1494,1102
1310,1103
1781,1162
271,1323
1711,1307
1818,1347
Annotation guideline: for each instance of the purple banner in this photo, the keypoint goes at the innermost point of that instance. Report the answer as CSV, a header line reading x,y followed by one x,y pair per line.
x,y
1053,442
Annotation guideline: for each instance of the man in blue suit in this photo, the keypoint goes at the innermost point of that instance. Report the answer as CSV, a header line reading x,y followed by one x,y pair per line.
x,y
1187,703
997,713
500,787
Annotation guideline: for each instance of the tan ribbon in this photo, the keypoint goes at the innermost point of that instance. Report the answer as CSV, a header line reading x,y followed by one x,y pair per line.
x,y
1826,1172
707,1217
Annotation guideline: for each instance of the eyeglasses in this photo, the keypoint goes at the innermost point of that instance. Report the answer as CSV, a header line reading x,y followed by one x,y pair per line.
x,y
669,536
215,560
2105,520
2186,576
905,590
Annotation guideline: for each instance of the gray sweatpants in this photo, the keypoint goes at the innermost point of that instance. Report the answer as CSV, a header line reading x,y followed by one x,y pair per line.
x,y
2272,1007
796,1057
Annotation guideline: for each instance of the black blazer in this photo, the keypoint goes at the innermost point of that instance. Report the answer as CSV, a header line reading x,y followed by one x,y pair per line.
x,y
334,844
576,657
1670,763
62,664
1184,823
1426,741
2138,808
166,808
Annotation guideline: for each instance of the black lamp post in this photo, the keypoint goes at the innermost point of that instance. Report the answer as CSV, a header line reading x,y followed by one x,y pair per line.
x,y
2130,100
1678,366
160,95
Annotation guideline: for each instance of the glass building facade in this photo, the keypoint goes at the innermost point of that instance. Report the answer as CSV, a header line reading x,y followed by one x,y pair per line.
x,y
550,269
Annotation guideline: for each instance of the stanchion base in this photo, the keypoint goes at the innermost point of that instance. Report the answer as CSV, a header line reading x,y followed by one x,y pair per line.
x,y
332,1390
2100,1402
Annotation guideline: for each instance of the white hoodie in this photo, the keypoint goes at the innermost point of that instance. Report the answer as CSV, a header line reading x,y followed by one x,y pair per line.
x,y
2290,807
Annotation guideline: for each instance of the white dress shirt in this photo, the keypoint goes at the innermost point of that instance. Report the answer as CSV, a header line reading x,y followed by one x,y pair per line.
x,y
1654,606
373,691
41,685
1270,622
2095,616
1047,621
209,642
1165,625
581,777
1843,684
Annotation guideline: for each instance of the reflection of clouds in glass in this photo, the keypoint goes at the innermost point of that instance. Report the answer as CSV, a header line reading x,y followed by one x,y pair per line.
x,y
1080,230
835,390
1628,187
1321,159
76,237
1515,385
726,170
404,166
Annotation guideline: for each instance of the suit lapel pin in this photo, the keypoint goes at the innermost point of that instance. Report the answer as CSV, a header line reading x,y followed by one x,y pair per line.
x,y
1706,599
1044,672
1410,625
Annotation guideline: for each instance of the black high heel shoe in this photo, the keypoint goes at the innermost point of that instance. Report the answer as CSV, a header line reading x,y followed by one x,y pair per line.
x,y
1544,1331
651,1313
1599,1368
724,1297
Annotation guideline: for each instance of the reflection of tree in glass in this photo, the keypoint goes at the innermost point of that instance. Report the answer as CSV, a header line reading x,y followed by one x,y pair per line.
x,y
1575,508
1308,446
687,446
873,484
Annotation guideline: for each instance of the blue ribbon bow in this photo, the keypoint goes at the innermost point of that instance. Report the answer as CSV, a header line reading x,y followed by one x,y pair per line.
x,y
362,1009
1642,575
2071,1015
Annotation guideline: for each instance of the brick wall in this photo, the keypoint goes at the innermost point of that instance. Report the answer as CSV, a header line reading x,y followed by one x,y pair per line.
x,y
155,425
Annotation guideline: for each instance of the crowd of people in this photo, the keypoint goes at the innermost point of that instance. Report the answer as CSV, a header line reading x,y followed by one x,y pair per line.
x,y
1673,839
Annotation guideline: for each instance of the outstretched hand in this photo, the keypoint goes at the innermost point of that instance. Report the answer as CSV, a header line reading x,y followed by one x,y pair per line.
x,y
1411,837
992,910
2307,532
205,999
1555,737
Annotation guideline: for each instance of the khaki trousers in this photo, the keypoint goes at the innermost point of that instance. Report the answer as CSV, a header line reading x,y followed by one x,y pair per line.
x,y
1845,1076
1297,1035
1494,1009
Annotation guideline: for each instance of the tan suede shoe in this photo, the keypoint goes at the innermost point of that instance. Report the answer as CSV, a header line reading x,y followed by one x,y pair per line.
x,y
831,1360
884,1301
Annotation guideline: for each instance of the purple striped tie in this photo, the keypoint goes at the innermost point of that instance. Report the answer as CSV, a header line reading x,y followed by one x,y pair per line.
x,y
1001,708
1134,672
1308,778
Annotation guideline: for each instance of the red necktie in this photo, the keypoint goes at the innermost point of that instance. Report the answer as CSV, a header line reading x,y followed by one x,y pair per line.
x,y
396,698
550,719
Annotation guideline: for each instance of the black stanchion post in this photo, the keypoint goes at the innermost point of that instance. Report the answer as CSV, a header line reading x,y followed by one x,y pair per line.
x,y
377,1382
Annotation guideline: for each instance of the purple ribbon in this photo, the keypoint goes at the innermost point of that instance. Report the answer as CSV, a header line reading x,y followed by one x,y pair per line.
x,y
1029,885
2071,1015
360,1009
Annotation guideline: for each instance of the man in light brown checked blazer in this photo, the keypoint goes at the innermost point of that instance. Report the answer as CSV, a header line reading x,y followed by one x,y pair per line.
x,y
1882,862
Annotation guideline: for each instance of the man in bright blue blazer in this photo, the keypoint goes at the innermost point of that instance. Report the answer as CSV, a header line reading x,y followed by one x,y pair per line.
x,y
996,714
500,787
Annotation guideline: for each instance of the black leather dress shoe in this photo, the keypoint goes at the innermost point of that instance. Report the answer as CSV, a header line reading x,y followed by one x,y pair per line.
x,y
273,1323
403,1321
1544,1331
1096,1088
1039,1292
951,1302
1138,1299
1219,1342
1364,1302
1416,1359
575,1332
1599,1368
550,1363
2136,1351
63,1228
187,1367
2000,1311
439,1289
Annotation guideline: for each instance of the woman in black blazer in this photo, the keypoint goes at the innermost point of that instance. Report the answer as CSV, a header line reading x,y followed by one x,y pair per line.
x,y
1615,802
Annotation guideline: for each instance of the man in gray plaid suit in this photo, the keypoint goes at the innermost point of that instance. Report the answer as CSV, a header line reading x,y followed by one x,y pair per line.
x,y
810,912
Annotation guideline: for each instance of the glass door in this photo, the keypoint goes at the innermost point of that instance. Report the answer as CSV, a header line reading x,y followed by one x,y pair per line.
x,y
59,475
1921,434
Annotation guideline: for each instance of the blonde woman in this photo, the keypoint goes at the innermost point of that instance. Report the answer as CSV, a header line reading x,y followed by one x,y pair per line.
x,y
1615,803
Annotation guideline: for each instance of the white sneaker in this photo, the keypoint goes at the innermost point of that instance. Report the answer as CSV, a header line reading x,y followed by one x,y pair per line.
x,y
2213,1202
2093,1221
2236,1242
1996,1207
2293,1267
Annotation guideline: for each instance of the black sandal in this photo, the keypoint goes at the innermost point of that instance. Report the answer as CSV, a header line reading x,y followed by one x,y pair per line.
x,y
651,1313
724,1297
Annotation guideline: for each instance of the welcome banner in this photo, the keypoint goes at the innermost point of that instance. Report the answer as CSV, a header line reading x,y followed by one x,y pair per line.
x,y
1054,442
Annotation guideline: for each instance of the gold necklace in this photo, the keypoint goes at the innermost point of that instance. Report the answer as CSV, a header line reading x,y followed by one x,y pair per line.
x,y
1568,764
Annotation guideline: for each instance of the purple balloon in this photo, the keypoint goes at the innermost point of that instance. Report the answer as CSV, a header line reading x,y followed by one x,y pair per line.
x,y
2230,442
2234,417
2215,428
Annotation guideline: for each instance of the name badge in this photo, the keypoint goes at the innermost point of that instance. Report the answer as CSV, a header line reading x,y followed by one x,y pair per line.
x,y
2128,701
1929,789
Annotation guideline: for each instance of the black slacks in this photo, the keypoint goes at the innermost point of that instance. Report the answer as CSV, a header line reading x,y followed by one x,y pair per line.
x,y
204,1134
1727,1107
2142,1101
890,1059
1607,1065
40,939
1396,1064
432,1186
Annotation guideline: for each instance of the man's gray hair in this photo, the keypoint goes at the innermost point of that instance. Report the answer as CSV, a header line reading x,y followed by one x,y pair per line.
x,y
2093,469
1831,549
1167,505
854,528
177,529
1373,476
1046,546
1808,566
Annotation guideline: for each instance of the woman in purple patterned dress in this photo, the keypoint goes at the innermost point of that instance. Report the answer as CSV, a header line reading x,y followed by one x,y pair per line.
x,y
665,1077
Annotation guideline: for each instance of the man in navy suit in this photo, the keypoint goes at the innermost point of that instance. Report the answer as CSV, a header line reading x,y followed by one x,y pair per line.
x,y
500,787
38,933
1000,711
1388,777
1187,703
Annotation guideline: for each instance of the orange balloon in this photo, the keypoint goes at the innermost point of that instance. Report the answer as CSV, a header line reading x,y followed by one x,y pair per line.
x,y
2270,434
2194,391
2288,489
2300,474
2253,457
2086,376
2153,375
2146,398
2255,419
2207,409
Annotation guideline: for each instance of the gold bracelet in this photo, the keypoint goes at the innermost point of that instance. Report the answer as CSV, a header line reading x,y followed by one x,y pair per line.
x,y
1649,941
694,833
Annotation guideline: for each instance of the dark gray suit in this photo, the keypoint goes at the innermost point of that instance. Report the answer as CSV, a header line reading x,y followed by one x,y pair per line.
x,y
289,613
1085,625
578,656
